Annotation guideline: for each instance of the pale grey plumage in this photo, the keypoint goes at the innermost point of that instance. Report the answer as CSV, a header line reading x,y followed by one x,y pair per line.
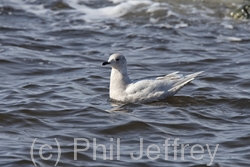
x,y
123,89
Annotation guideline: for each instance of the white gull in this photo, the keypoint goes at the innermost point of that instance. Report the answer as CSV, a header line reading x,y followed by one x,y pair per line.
x,y
123,89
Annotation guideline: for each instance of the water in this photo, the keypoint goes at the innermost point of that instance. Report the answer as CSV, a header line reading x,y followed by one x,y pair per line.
x,y
53,87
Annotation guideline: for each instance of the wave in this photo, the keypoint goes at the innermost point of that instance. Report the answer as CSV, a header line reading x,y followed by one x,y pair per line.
x,y
95,10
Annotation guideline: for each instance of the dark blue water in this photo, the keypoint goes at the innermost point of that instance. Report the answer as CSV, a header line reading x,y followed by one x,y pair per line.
x,y
54,89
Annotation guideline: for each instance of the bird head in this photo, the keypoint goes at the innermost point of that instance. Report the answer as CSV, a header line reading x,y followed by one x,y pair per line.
x,y
117,61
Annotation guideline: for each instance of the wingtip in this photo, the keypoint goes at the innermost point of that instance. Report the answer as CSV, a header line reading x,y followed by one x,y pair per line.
x,y
198,73
194,74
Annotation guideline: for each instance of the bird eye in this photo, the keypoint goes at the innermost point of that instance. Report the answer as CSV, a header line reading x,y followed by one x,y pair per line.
x,y
117,59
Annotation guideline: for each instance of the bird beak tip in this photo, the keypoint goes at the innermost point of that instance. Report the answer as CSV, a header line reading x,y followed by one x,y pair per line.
x,y
105,63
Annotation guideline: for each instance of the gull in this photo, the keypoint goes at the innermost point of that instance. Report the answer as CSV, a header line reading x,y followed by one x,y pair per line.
x,y
123,89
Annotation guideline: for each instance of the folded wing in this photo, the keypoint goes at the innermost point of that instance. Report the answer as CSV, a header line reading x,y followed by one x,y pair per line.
x,y
158,88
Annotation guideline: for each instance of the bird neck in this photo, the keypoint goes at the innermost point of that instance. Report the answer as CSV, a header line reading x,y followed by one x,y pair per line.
x,y
119,79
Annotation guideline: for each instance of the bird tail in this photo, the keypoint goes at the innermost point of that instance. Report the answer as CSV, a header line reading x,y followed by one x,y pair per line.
x,y
180,84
